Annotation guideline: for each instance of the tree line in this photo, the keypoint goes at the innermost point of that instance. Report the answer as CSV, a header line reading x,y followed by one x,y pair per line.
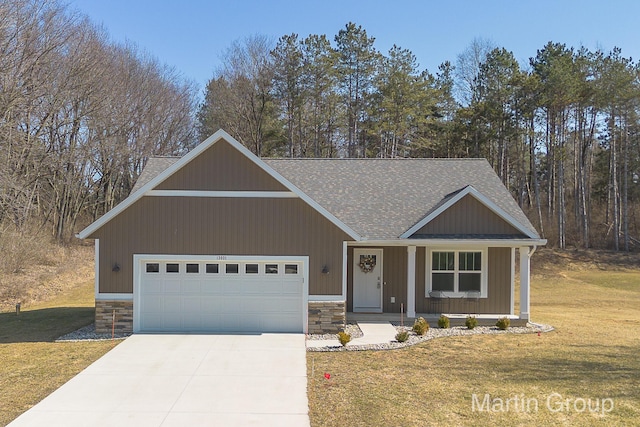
x,y
80,116
561,131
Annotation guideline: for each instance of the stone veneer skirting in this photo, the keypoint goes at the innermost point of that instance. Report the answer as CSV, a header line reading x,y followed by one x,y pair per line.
x,y
104,316
326,317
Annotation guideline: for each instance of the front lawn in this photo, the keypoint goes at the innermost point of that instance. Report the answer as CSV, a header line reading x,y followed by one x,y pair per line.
x,y
32,365
592,354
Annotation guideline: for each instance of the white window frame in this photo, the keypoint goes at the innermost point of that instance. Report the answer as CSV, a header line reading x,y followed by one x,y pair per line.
x,y
456,272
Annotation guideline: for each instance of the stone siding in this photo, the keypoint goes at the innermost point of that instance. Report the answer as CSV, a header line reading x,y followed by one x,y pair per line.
x,y
104,316
326,317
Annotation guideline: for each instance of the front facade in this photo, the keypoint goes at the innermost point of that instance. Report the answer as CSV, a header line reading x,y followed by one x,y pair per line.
x,y
222,241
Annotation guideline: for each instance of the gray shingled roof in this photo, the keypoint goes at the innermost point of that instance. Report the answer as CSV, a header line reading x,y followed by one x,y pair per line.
x,y
381,198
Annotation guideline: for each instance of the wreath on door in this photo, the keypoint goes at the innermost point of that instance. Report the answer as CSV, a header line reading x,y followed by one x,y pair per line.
x,y
367,263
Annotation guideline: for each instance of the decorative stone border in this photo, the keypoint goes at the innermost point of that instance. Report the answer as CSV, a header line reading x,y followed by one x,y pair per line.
x,y
530,328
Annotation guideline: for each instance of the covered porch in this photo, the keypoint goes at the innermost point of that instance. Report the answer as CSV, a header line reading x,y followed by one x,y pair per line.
x,y
401,280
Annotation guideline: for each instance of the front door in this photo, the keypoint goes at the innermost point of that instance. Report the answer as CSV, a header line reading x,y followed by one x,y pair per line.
x,y
367,280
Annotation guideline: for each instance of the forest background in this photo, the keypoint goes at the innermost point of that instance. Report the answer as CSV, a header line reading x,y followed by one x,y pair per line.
x,y
81,115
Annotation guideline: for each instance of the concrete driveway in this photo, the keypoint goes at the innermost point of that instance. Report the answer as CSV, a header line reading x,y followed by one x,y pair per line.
x,y
180,380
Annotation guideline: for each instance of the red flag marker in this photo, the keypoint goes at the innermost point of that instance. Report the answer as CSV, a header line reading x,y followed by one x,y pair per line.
x,y
327,375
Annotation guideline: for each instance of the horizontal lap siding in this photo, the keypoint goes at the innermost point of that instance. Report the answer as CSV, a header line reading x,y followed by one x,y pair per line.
x,y
221,226
468,216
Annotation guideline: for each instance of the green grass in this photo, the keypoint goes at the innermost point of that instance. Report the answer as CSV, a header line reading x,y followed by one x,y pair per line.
x,y
593,353
32,365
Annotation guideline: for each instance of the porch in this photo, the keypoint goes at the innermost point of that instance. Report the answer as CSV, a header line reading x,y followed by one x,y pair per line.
x,y
383,280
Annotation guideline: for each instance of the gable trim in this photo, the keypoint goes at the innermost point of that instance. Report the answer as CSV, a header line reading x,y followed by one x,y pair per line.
x,y
220,134
224,194
469,190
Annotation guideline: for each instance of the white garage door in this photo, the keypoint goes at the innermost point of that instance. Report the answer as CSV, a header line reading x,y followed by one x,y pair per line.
x,y
220,296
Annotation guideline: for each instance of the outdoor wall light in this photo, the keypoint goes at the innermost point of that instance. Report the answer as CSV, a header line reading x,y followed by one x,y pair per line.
x,y
116,267
325,269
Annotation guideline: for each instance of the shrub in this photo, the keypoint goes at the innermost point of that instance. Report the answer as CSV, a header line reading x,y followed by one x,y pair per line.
x,y
420,326
443,322
471,322
503,323
344,338
402,336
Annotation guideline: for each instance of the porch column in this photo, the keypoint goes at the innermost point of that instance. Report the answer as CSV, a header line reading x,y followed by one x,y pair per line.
x,y
524,283
411,281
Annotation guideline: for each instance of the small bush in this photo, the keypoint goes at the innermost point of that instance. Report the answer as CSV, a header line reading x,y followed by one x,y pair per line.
x,y
471,322
503,323
402,336
443,322
420,326
344,338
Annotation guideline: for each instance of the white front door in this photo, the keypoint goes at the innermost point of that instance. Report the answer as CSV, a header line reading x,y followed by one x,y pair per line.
x,y
367,280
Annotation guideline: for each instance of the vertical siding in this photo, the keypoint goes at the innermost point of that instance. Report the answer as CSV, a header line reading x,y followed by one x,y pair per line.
x,y
468,216
421,301
499,301
221,168
214,226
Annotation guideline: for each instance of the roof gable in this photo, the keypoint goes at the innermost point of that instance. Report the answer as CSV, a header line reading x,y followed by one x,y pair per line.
x,y
174,168
468,212
221,167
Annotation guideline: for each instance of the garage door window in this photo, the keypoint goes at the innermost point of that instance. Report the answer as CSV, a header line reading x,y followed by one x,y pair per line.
x,y
173,268
271,269
251,268
193,268
231,268
153,267
290,269
212,268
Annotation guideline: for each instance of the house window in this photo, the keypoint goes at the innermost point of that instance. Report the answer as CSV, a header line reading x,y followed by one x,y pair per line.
x,y
455,273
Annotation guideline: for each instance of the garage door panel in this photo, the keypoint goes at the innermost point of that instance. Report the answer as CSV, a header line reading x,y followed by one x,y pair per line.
x,y
172,304
191,286
172,286
220,300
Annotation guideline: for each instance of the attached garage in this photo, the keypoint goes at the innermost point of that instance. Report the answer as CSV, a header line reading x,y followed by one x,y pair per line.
x,y
219,294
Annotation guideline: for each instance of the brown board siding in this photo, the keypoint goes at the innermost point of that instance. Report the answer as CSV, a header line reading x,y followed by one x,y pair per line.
x,y
468,216
220,226
421,269
394,276
221,168
498,299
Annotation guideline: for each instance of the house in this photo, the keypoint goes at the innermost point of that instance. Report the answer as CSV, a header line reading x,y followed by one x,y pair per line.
x,y
221,240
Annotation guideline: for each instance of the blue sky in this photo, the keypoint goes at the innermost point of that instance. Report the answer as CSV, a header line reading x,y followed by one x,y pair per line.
x,y
191,35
